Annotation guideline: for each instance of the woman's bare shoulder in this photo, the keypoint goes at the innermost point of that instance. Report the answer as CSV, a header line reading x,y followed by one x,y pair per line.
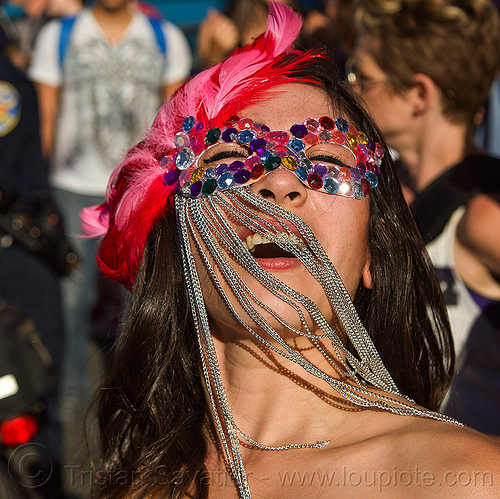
x,y
379,453
452,439
463,461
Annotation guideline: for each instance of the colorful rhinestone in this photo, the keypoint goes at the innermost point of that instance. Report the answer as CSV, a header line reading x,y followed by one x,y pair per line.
x,y
188,124
184,158
212,136
289,162
314,180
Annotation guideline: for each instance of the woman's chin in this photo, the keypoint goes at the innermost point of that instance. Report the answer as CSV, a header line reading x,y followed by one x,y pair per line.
x,y
286,321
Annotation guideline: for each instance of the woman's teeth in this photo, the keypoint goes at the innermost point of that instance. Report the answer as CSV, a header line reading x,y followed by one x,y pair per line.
x,y
256,239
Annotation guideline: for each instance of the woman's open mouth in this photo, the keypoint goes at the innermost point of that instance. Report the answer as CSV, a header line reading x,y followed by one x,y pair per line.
x,y
271,256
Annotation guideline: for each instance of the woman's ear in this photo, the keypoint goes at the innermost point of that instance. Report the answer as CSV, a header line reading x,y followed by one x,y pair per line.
x,y
367,276
424,94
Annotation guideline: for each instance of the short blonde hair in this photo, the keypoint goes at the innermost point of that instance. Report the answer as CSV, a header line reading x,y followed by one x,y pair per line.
x,y
454,42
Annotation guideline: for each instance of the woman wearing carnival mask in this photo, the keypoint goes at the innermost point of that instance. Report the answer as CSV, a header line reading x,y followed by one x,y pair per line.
x,y
286,335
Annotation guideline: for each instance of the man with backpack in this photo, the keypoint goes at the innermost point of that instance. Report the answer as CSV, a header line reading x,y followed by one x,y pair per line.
x,y
101,77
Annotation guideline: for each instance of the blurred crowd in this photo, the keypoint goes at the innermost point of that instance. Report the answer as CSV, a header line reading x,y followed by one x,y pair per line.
x,y
79,85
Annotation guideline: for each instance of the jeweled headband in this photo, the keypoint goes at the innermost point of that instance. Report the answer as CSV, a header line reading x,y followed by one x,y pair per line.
x,y
269,150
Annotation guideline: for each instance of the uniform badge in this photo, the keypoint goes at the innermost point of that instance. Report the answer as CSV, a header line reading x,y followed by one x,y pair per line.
x,y
10,108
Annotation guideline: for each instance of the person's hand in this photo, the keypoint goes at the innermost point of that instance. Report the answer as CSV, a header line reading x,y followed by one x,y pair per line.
x,y
217,37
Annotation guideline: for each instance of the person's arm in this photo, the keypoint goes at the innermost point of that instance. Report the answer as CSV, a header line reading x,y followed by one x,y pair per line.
x,y
170,88
47,74
48,101
217,37
479,236
178,63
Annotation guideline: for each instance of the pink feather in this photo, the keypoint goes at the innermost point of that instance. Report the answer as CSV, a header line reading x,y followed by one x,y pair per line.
x,y
95,220
284,25
137,191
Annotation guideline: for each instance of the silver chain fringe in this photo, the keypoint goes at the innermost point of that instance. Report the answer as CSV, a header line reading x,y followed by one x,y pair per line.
x,y
204,226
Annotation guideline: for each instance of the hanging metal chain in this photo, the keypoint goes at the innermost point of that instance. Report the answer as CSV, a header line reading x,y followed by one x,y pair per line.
x,y
206,227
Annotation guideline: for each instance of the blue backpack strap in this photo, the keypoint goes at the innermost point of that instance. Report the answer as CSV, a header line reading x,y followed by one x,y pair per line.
x,y
64,39
67,24
156,24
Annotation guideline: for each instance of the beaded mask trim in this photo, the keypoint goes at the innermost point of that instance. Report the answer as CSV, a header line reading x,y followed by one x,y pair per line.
x,y
269,150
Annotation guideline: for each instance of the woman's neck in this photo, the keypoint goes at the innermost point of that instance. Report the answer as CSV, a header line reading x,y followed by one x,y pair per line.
x,y
113,23
275,401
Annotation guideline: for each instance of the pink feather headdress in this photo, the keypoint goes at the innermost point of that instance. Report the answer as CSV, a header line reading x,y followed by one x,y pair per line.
x,y
137,196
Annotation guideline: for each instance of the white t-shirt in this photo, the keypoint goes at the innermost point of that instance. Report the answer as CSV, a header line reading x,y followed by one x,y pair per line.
x,y
109,93
463,311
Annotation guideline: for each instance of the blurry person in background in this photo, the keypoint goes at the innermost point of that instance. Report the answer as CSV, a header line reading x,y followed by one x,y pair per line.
x,y
30,18
27,280
101,77
341,12
424,68
488,132
243,21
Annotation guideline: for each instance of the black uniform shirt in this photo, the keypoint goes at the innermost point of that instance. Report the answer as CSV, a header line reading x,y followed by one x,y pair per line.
x,y
22,169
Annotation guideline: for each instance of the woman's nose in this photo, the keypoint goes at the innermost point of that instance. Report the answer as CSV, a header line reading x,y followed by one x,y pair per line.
x,y
281,187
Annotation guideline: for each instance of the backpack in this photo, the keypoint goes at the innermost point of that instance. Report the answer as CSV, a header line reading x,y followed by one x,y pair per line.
x,y
67,24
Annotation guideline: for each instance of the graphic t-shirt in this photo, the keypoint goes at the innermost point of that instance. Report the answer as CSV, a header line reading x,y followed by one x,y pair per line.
x,y
109,94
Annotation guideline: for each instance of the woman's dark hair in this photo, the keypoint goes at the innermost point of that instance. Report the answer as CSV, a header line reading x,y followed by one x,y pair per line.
x,y
152,407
